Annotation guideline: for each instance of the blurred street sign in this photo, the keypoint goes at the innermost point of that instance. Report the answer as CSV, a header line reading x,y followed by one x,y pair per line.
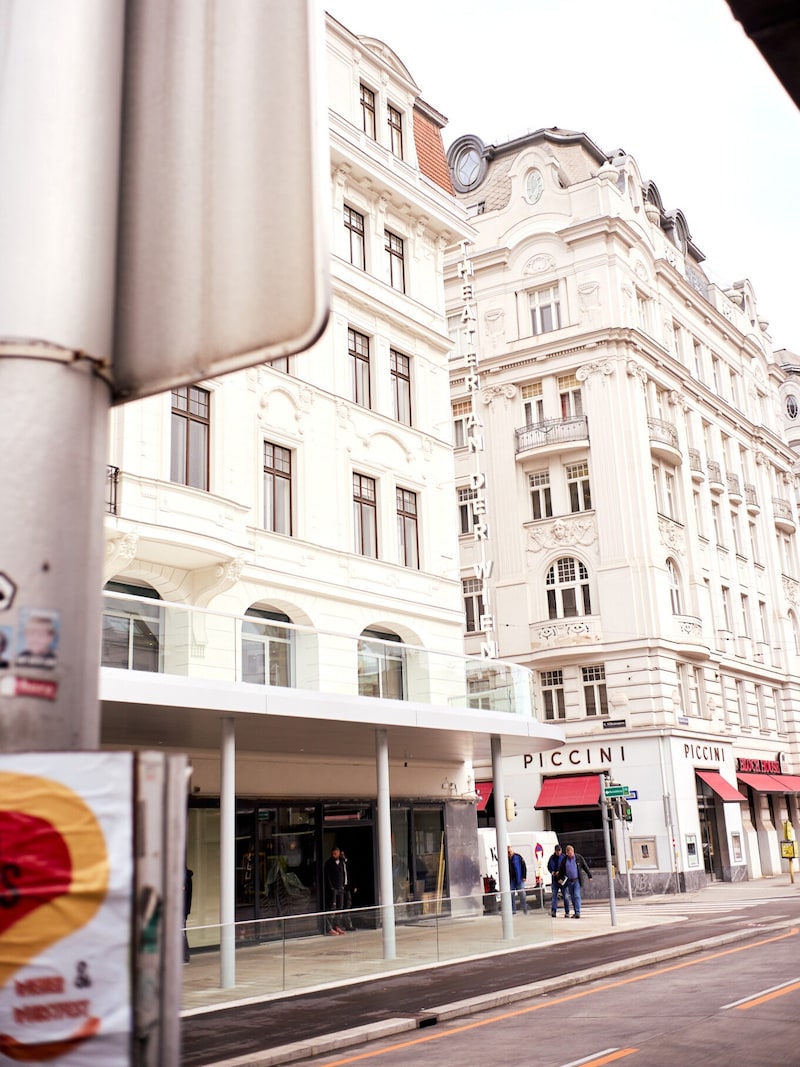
x,y
616,791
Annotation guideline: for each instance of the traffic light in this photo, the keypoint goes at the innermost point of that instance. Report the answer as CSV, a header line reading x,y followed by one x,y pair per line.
x,y
511,809
627,813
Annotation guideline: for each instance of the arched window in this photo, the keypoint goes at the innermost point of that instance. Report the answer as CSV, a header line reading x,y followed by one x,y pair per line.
x,y
674,588
568,589
381,665
131,638
267,648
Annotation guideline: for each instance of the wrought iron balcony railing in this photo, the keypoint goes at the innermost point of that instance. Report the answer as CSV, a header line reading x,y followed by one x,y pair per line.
x,y
551,432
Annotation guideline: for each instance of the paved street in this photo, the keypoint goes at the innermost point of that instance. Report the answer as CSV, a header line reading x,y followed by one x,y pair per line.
x,y
288,1029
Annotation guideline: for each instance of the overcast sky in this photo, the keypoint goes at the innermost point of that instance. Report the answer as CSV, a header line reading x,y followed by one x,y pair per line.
x,y
678,85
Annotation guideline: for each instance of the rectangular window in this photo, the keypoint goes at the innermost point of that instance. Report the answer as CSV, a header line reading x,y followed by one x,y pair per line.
x,y
765,721
747,628
354,225
368,112
365,515
473,604
395,118
401,386
594,690
715,515
553,694
545,310
541,504
407,533
533,403
466,511
462,409
191,424
741,701
726,609
643,311
580,496
277,489
780,719
570,396
266,649
395,256
358,347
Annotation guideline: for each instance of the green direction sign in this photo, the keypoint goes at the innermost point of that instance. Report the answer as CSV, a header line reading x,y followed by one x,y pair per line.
x,y
616,790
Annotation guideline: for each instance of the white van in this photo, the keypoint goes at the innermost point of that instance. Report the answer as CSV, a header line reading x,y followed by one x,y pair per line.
x,y
535,847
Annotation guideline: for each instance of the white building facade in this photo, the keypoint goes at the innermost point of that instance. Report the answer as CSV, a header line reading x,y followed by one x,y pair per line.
x,y
283,597
643,512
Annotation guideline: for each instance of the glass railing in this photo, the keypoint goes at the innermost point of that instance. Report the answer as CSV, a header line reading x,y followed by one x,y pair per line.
x,y
143,634
293,952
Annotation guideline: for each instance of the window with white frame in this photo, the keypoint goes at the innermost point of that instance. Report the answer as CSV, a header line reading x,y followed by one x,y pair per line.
x,y
545,308
400,369
567,585
466,511
570,396
266,648
595,698
191,429
381,665
368,112
395,120
395,260
473,604
354,226
358,348
552,683
697,350
736,530
754,542
677,341
741,702
541,503
674,588
365,515
780,718
716,518
795,624
132,629
727,614
766,721
580,495
532,403
277,488
747,627
407,528
642,311
462,409
692,689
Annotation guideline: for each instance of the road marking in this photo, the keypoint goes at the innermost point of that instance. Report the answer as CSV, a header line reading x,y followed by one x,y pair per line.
x,y
597,1059
766,994
541,1004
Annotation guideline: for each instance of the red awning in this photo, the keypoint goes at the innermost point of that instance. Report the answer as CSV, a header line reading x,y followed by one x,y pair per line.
x,y
762,783
484,791
790,781
721,786
579,792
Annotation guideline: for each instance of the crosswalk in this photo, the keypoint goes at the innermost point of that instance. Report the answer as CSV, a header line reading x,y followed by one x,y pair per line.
x,y
697,906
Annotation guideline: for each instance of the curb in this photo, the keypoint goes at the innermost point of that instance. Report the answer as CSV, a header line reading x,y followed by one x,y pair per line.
x,y
361,1035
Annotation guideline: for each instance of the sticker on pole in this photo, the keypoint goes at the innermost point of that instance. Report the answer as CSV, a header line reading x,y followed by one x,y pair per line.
x,y
7,591
65,887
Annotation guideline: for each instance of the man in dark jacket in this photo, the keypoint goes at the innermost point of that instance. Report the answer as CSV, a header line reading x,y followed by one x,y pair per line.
x,y
517,873
573,865
335,872
553,865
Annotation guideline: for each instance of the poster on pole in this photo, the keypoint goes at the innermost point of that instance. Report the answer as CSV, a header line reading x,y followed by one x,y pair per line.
x,y
66,872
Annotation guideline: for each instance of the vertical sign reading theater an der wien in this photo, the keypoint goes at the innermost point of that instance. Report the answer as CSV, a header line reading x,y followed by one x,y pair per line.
x,y
65,908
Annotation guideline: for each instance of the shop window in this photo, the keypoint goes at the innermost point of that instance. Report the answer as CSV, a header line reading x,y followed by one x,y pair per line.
x,y
267,648
381,665
131,629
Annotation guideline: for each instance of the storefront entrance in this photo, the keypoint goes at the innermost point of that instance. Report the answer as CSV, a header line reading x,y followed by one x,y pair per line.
x,y
709,836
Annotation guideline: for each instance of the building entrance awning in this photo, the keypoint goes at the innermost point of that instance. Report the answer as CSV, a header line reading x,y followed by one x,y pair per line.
x,y
582,791
721,786
763,783
484,791
789,782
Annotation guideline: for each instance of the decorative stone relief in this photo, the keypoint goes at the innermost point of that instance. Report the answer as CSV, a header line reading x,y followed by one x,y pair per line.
x,y
495,392
640,271
762,460
678,400
636,370
791,590
563,533
560,633
494,323
539,263
672,535
601,367
589,298
119,553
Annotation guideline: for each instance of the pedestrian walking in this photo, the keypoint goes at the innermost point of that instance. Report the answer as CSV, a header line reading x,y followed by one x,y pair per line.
x,y
335,872
517,873
574,866
556,883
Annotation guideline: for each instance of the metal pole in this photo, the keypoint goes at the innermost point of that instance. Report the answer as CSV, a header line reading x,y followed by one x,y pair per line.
x,y
501,831
385,845
612,900
60,94
227,855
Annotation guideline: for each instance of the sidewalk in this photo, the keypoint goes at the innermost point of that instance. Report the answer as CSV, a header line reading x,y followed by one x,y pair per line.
x,y
266,1030
278,969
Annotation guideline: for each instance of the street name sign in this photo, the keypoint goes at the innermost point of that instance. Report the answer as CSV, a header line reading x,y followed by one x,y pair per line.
x,y
616,791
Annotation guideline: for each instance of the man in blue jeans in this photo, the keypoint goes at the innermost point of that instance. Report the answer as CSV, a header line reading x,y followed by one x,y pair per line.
x,y
573,865
517,873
